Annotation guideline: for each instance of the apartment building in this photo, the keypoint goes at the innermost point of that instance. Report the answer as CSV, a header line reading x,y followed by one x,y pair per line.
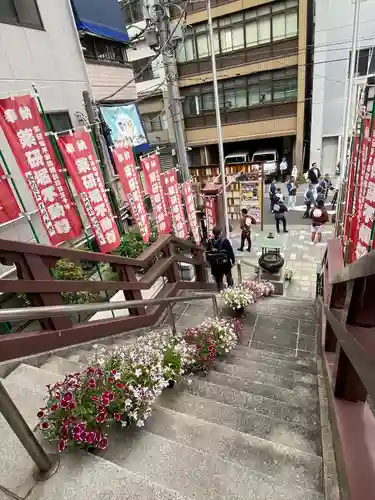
x,y
262,70
333,25
150,82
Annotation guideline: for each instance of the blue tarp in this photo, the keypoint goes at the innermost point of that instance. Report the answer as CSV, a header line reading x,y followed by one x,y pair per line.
x,y
100,17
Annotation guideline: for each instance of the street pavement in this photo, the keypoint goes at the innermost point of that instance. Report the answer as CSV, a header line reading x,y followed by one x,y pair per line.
x,y
295,215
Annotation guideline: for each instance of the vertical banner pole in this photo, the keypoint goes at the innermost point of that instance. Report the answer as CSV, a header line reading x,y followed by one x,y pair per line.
x,y
18,194
61,161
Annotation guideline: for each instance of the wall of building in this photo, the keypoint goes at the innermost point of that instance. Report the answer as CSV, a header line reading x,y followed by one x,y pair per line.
x,y
333,33
52,59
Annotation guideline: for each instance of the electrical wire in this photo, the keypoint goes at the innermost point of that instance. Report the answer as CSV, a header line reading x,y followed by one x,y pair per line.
x,y
152,58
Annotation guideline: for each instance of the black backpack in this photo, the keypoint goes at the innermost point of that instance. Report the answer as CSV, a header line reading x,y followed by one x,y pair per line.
x,y
217,256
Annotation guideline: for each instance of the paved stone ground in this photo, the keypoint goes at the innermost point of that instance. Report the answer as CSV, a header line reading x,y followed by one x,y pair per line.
x,y
301,257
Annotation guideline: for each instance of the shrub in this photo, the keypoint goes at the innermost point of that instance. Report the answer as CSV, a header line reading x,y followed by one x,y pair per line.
x,y
65,269
238,297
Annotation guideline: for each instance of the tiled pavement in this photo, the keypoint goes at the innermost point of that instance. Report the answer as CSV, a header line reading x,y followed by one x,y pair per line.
x,y
301,257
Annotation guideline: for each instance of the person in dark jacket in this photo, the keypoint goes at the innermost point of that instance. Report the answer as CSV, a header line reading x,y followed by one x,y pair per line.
x,y
279,210
272,192
309,196
313,174
221,258
319,216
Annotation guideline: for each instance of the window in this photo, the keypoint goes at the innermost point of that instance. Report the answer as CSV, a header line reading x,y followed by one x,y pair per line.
x,y
153,122
147,74
22,12
102,50
365,64
132,11
249,28
243,92
60,121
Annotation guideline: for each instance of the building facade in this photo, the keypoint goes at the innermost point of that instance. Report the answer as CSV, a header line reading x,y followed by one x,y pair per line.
x,y
261,55
39,44
150,83
333,23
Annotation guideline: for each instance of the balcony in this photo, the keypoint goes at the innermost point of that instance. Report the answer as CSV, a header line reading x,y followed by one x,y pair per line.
x,y
277,51
106,77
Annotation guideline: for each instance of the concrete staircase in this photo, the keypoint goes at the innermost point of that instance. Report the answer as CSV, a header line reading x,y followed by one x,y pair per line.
x,y
250,429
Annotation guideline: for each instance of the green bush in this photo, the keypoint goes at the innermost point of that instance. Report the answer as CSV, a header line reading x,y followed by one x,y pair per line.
x,y
65,269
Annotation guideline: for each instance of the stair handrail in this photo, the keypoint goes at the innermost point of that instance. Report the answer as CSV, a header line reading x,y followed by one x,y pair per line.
x,y
63,310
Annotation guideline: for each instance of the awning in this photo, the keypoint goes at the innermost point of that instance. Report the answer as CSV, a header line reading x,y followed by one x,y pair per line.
x,y
100,17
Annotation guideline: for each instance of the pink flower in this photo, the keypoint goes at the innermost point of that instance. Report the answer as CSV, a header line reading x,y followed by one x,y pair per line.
x,y
95,398
90,436
103,443
44,425
90,369
72,405
66,421
91,384
79,427
64,404
64,432
61,446
98,435
117,417
77,436
113,372
119,385
40,414
100,417
54,407
111,380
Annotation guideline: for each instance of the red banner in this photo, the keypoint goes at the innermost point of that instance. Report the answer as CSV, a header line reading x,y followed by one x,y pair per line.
x,y
9,208
25,131
210,211
190,210
83,167
131,184
173,195
350,187
151,171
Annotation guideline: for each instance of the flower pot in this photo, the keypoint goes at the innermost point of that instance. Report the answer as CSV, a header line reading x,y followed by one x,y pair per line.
x,y
171,384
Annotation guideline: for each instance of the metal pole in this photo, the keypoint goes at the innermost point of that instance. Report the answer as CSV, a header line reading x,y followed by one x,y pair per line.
x,y
46,465
214,306
239,272
348,109
171,318
173,91
218,120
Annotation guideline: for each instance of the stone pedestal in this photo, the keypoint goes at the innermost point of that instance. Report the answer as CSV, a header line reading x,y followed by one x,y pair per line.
x,y
277,279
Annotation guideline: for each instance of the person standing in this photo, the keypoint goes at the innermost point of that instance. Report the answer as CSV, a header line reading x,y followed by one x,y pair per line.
x,y
292,193
272,192
279,210
283,169
309,196
294,173
245,225
313,174
319,217
220,256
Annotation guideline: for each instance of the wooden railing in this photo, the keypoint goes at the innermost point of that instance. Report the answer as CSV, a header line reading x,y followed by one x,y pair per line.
x,y
348,341
35,262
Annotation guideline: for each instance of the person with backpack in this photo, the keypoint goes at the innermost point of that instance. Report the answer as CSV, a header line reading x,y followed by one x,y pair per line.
x,y
245,225
272,192
319,216
220,256
279,209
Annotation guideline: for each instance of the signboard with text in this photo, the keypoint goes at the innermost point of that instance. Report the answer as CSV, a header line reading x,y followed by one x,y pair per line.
x,y
191,211
174,200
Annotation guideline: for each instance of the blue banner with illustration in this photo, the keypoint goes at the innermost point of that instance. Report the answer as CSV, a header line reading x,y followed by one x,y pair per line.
x,y
125,125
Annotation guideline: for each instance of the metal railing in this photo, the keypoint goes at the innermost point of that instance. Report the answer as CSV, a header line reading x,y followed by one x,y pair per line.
x,y
47,465
239,269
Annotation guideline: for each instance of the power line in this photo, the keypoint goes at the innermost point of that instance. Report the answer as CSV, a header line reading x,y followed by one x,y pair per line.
x,y
151,59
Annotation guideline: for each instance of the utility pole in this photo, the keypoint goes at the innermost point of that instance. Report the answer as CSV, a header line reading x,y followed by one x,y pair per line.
x,y
218,120
344,161
170,69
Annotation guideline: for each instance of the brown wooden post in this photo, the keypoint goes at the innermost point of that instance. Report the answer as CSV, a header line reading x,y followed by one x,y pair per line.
x,y
348,385
200,269
172,274
127,273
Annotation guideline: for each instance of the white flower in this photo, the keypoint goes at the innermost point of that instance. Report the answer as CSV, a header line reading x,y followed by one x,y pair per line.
x,y
140,423
138,372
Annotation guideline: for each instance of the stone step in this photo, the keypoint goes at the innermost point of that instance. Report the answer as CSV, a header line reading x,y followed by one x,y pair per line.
x,y
197,474
278,371
267,358
278,461
33,378
55,364
251,402
82,475
261,426
301,388
308,359
268,391
16,466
